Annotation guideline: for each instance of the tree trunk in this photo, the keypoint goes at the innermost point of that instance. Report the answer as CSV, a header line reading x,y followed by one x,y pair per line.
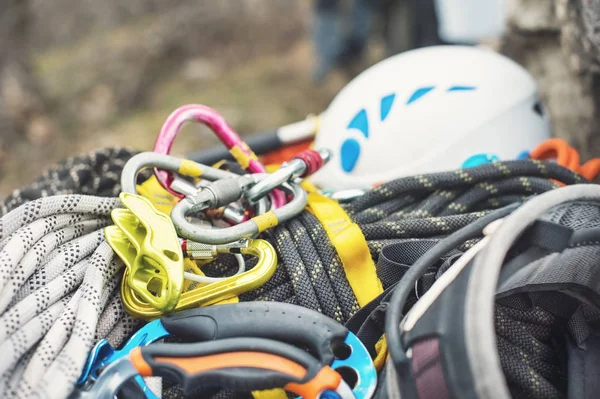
x,y
556,41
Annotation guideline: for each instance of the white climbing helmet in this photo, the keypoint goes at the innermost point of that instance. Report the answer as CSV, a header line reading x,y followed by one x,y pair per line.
x,y
428,110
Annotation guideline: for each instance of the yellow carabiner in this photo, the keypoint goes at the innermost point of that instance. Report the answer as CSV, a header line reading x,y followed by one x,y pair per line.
x,y
214,292
145,239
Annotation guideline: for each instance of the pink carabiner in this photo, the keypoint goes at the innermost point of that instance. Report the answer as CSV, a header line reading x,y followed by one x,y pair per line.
x,y
215,122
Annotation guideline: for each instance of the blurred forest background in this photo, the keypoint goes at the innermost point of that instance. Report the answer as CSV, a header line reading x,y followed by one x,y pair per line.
x,y
83,74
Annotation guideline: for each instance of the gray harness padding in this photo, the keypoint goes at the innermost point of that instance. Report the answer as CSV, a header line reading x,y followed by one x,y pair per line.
x,y
533,337
479,326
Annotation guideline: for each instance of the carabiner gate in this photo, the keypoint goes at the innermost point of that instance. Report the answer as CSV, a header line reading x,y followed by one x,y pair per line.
x,y
191,169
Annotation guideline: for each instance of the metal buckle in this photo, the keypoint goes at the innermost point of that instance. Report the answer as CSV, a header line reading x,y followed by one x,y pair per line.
x,y
166,162
230,212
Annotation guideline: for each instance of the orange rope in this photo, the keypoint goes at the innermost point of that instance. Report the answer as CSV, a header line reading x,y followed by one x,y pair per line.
x,y
566,156
591,169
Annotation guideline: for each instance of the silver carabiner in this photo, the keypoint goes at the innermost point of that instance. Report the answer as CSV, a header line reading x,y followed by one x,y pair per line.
x,y
182,166
188,168
304,164
225,191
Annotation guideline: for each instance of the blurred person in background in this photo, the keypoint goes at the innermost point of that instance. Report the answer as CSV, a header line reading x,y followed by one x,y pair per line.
x,y
342,28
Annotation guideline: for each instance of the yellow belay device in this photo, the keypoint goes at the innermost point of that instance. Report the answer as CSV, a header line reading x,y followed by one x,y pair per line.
x,y
153,281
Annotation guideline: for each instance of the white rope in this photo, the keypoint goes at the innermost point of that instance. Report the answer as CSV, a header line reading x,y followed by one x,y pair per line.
x,y
59,293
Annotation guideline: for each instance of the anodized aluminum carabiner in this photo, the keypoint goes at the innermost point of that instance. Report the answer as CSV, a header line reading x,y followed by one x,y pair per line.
x,y
302,165
209,294
167,162
185,167
215,121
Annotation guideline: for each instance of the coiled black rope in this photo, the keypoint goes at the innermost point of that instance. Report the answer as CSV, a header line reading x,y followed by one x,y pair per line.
x,y
426,206
97,173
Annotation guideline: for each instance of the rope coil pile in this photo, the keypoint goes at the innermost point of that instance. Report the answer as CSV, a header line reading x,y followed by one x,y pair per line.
x,y
59,280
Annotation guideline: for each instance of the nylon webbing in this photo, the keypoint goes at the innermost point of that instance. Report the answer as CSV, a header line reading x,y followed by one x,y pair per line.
x,y
350,245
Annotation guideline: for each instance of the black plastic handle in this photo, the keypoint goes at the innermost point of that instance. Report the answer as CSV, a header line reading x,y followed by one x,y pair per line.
x,y
279,321
239,364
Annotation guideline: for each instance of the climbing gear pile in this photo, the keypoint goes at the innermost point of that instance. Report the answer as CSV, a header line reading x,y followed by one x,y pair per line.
x,y
259,281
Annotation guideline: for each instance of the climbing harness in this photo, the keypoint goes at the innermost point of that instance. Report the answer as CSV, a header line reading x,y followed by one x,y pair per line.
x,y
516,306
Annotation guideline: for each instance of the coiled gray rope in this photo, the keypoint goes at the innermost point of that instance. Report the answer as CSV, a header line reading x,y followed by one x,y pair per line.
x,y
96,173
57,279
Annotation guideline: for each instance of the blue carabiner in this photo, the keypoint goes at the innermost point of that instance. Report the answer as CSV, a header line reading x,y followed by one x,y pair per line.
x,y
102,354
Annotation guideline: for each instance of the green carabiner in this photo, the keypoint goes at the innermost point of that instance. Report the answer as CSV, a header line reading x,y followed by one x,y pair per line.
x,y
145,239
